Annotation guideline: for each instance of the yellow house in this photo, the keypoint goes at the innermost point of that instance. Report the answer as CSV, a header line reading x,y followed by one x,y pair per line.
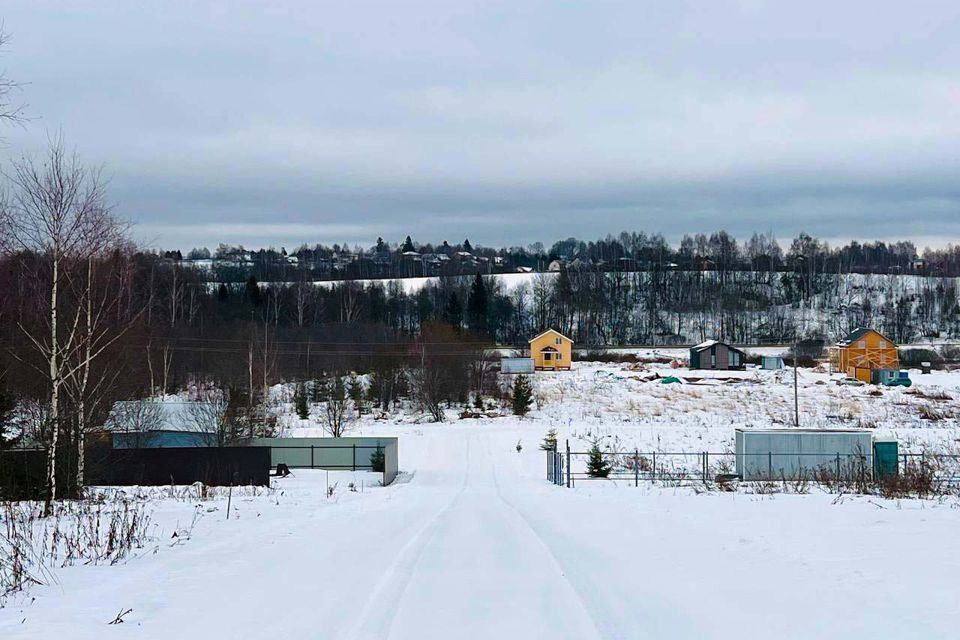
x,y
862,352
551,350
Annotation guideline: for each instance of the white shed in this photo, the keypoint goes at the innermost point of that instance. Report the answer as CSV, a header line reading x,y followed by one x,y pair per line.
x,y
516,365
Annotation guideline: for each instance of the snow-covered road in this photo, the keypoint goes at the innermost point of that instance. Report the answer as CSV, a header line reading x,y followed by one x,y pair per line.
x,y
473,543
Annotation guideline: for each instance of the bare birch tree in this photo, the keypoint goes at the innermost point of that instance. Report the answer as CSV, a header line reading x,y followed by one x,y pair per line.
x,y
10,112
137,419
335,417
210,416
56,208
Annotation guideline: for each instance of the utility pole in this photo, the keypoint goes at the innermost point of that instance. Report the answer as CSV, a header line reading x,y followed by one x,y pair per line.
x,y
796,393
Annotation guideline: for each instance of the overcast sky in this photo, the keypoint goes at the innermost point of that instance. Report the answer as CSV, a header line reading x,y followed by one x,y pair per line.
x,y
282,123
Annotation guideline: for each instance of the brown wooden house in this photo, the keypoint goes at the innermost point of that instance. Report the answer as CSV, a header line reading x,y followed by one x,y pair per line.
x,y
862,352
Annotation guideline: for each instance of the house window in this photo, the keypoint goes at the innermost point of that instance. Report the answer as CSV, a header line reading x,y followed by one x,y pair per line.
x,y
546,357
558,341
559,356
713,360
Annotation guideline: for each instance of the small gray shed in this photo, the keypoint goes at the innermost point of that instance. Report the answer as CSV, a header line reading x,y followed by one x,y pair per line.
x,y
516,365
771,362
801,453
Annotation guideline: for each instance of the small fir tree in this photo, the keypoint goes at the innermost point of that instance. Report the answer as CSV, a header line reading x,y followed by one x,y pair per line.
x,y
378,460
597,467
356,392
549,442
300,401
522,395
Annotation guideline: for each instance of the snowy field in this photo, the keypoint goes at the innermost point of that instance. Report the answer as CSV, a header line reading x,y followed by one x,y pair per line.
x,y
630,404
472,542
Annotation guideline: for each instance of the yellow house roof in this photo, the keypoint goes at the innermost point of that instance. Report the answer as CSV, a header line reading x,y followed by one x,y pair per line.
x,y
554,331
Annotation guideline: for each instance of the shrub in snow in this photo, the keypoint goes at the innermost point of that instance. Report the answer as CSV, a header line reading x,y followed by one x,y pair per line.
x,y
334,417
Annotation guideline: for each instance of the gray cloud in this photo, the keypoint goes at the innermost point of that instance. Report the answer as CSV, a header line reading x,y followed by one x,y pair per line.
x,y
505,122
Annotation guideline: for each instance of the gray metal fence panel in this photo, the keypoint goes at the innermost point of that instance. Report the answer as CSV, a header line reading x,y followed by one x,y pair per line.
x,y
795,453
390,465
516,365
332,453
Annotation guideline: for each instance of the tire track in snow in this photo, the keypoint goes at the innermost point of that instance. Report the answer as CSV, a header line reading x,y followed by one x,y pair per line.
x,y
602,621
376,618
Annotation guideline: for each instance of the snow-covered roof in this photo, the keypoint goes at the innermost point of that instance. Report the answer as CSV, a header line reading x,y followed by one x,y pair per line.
x,y
155,415
706,344
856,334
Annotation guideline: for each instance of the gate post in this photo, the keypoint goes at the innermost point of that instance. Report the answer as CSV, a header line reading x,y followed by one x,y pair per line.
x,y
311,456
636,467
354,456
568,464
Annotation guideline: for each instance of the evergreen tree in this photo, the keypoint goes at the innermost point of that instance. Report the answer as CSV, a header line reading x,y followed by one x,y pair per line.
x,y
7,405
453,312
407,245
564,298
522,395
253,292
378,460
381,245
549,442
356,392
318,391
467,246
300,401
597,467
477,306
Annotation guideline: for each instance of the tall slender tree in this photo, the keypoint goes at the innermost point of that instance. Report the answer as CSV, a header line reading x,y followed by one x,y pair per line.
x,y
56,209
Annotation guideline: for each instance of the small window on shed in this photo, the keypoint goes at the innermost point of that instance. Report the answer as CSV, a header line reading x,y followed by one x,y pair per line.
x,y
862,344
883,344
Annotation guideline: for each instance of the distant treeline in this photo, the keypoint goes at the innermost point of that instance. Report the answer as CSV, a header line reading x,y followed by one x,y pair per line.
x,y
625,252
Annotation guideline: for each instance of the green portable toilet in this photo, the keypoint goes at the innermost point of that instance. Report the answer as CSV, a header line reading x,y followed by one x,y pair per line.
x,y
885,457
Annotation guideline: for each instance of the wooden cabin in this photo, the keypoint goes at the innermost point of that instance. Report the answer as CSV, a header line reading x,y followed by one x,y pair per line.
x,y
551,350
714,354
862,352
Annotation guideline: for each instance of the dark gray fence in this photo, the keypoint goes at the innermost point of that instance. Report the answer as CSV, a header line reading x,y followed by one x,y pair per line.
x,y
213,466
23,471
566,467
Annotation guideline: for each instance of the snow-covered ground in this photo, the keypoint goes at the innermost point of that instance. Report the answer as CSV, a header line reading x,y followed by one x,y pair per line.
x,y
472,542
631,404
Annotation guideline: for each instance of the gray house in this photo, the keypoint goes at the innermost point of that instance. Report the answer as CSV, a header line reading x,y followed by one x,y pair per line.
x,y
714,354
